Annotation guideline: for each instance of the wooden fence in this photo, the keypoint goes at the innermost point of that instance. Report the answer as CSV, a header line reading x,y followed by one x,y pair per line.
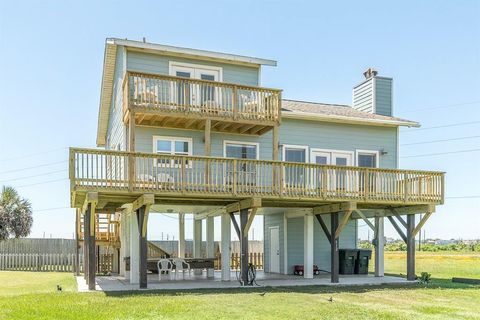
x,y
60,262
255,258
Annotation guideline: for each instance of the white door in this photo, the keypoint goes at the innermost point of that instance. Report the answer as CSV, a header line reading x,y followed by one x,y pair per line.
x,y
195,94
274,251
343,180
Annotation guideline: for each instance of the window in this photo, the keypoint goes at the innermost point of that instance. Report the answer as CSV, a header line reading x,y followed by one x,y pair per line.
x,y
246,173
295,176
366,158
171,146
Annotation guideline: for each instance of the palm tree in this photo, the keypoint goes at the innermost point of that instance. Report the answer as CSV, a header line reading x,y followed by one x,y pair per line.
x,y
15,214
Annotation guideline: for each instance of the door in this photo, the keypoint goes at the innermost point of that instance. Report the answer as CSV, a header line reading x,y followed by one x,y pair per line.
x,y
245,172
342,178
319,157
274,250
196,94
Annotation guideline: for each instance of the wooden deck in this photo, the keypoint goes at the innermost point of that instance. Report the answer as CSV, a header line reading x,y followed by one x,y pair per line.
x,y
120,177
176,102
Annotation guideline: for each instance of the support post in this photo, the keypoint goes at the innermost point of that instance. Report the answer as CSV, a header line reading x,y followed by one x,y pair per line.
x,y
142,219
181,235
134,248
244,247
197,242
335,269
379,247
210,244
275,142
410,247
85,247
89,216
77,243
226,251
308,247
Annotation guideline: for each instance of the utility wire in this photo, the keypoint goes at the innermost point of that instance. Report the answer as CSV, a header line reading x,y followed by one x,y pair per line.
x,y
44,182
443,126
33,154
440,153
441,140
34,167
33,176
443,107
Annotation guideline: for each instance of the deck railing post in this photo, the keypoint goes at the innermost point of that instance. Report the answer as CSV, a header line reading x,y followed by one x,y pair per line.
x,y
234,178
235,102
366,186
405,187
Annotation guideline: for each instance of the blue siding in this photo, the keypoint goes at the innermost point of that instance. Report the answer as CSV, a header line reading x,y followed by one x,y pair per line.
x,y
321,247
383,96
338,136
116,131
320,135
154,63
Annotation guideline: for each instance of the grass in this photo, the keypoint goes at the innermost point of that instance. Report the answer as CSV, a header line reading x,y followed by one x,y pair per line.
x,y
25,295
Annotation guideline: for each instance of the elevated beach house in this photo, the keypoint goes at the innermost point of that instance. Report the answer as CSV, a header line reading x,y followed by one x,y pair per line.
x,y
193,132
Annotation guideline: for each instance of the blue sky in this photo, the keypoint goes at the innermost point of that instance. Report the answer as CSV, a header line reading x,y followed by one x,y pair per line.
x,y
51,55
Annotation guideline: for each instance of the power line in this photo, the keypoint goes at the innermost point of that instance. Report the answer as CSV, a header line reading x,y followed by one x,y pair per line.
x,y
33,176
440,153
33,154
44,182
442,140
463,197
35,167
443,107
49,210
444,126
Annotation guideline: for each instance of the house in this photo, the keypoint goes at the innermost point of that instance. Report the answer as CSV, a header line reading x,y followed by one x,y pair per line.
x,y
193,132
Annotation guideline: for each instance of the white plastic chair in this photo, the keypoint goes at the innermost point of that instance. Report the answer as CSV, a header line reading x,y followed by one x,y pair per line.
x,y
179,267
164,265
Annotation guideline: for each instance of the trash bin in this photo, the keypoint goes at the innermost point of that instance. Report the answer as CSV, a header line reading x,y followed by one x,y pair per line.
x,y
347,259
361,264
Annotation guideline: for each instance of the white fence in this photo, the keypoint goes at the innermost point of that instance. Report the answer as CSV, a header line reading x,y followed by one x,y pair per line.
x,y
61,262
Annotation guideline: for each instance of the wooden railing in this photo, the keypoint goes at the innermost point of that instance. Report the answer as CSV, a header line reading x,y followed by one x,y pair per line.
x,y
169,94
227,177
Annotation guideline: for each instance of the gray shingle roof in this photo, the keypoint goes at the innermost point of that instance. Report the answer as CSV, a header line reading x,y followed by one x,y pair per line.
x,y
339,111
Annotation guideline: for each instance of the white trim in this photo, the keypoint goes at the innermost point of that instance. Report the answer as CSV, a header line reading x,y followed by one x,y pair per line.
x,y
165,49
244,143
374,95
295,146
173,64
374,152
173,139
397,165
345,119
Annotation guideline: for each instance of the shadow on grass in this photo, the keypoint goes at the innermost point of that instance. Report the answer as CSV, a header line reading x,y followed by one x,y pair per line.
x,y
312,289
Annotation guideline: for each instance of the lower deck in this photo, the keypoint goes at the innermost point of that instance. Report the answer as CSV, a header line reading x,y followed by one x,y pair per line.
x,y
264,279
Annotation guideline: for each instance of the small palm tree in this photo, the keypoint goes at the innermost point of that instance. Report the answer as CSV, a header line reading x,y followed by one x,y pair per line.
x,y
15,214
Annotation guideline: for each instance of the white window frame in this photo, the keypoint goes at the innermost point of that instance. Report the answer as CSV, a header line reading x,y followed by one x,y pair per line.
x,y
244,143
295,146
369,152
172,147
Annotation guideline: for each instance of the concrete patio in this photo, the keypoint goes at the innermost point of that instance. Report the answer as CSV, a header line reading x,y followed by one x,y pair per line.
x,y
118,283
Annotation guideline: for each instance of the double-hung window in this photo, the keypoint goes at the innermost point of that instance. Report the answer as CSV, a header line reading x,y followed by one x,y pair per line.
x,y
171,146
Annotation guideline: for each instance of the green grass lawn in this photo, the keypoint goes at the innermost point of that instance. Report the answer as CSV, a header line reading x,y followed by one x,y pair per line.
x,y
28,295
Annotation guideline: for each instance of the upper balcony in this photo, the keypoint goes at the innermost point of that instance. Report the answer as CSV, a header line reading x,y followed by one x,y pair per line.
x,y
176,102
